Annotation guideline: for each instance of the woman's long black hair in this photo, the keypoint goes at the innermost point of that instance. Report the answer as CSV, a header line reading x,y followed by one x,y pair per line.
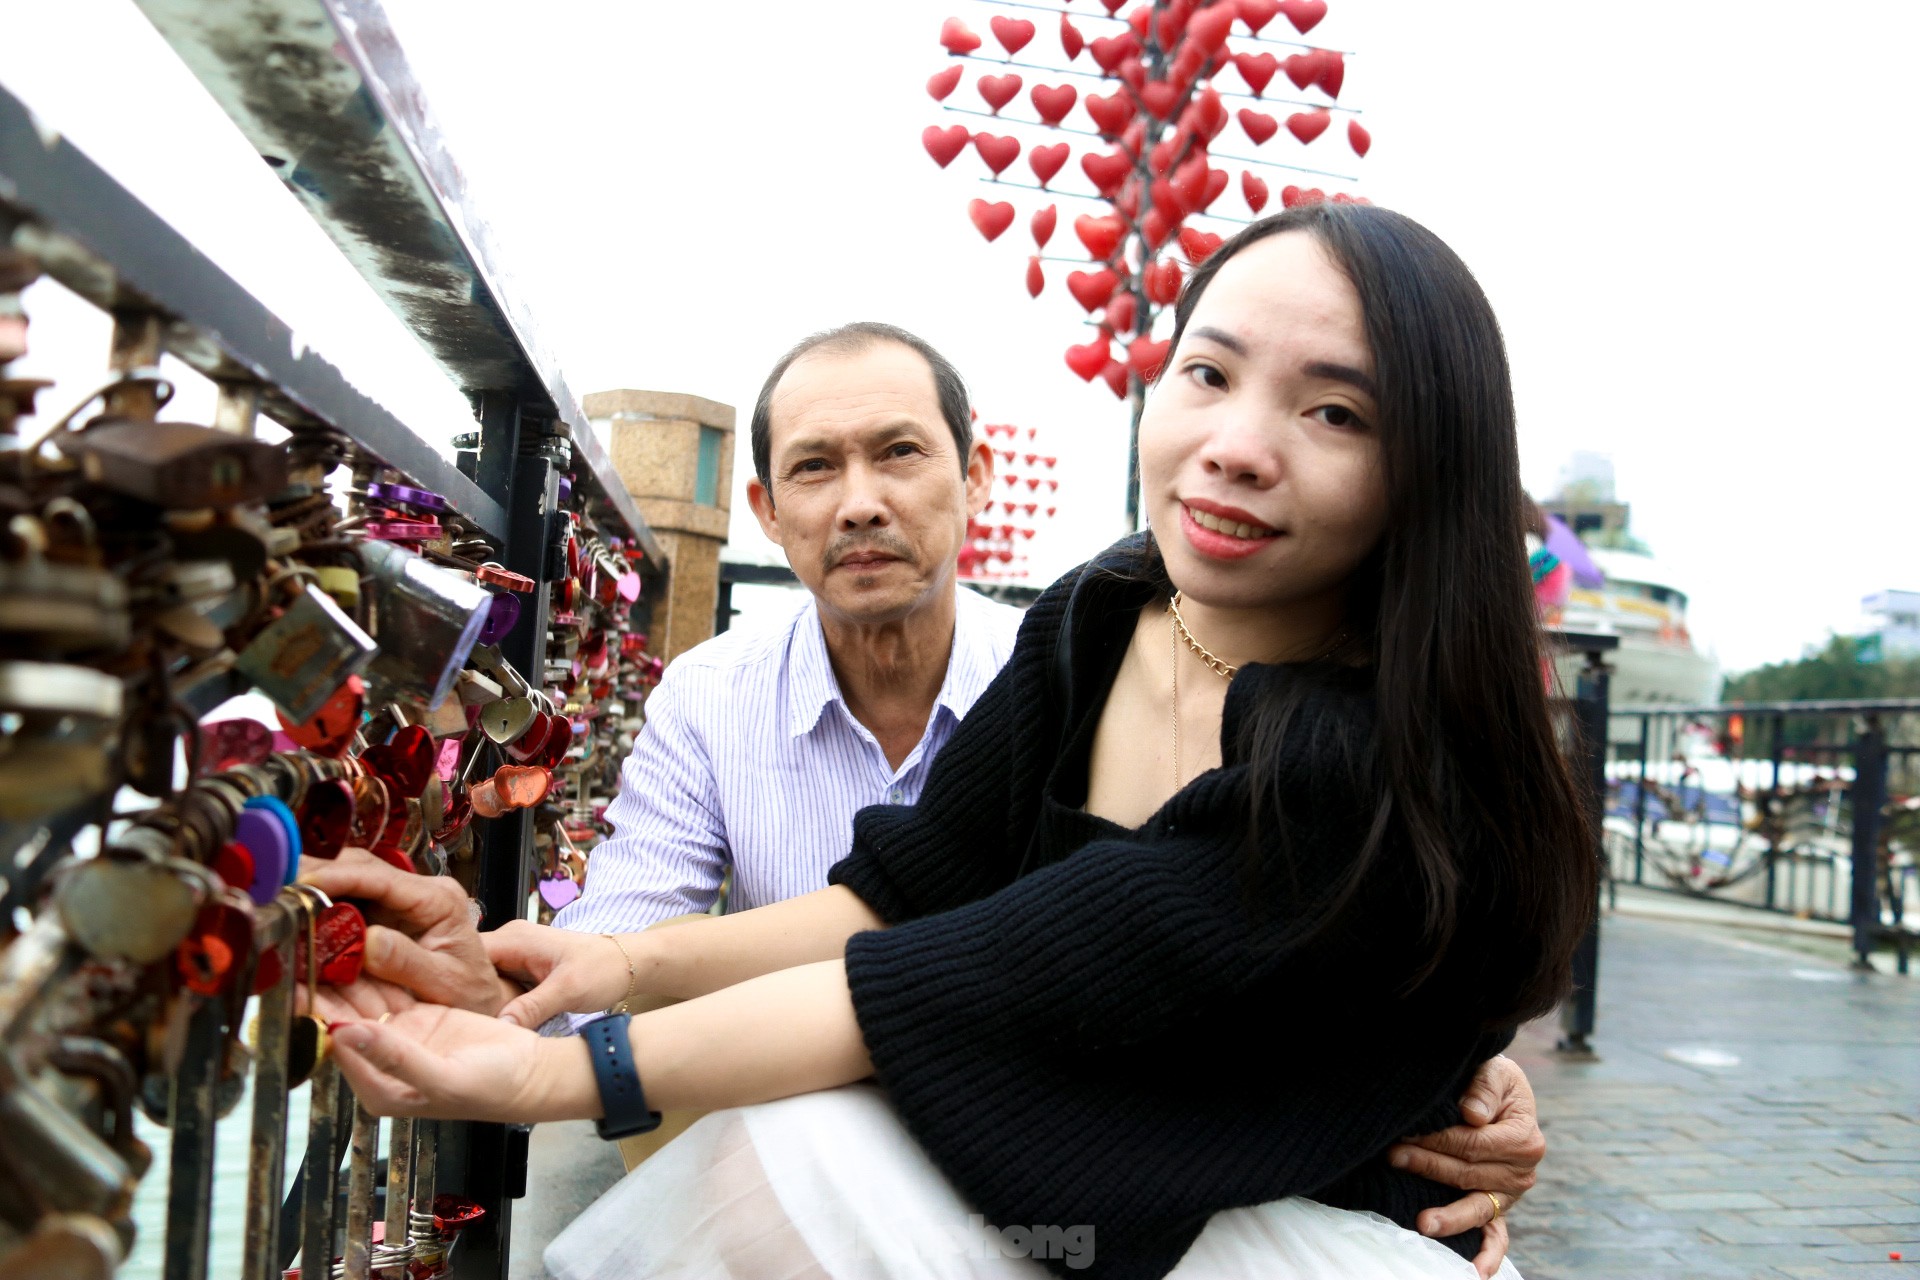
x,y
1471,786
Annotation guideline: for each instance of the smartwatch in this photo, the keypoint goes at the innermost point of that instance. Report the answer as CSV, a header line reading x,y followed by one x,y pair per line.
x,y
620,1095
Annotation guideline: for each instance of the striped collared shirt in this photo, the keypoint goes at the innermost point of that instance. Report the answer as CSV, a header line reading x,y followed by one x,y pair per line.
x,y
750,760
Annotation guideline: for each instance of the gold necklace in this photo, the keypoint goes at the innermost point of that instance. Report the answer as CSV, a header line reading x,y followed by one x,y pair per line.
x,y
1178,632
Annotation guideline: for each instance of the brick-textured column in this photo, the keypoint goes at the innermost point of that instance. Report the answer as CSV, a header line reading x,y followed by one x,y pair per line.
x,y
675,453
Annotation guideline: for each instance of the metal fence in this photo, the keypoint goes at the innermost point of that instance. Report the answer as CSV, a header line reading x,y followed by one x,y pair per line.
x,y
1773,806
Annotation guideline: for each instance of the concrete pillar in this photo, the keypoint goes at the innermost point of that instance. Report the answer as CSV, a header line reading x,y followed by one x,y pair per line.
x,y
675,454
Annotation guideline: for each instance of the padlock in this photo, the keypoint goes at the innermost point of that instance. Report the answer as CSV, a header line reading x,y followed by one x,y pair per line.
x,y
69,1246
177,465
511,787
404,762
42,775
508,720
330,730
326,818
303,658
65,1166
121,906
58,607
428,619
504,612
340,582
60,689
408,496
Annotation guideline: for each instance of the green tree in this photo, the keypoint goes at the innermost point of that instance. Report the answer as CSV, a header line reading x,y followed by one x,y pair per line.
x,y
1838,671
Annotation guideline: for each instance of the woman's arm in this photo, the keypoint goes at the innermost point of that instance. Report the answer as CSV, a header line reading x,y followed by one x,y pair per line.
x,y
583,973
782,1033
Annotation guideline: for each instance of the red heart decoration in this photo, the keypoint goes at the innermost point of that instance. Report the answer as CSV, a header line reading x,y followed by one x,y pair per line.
x,y
1117,380
1134,72
1110,115
1141,20
1121,313
991,219
998,91
956,38
1333,72
1216,183
1091,289
1106,172
1012,33
1036,279
1256,69
1308,125
1161,282
1133,137
1166,199
1173,21
1254,190
1029,507
1359,138
1208,28
997,152
1199,245
1190,183
1257,13
1053,104
1160,98
1157,225
1291,196
1165,152
944,144
1043,223
1305,15
1046,161
1259,125
1086,361
1145,356
1100,235
1128,201
1071,41
1303,68
1206,116
942,83
1110,51
1051,510
1112,6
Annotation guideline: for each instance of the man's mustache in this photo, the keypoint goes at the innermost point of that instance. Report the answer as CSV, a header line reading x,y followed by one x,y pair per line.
x,y
886,544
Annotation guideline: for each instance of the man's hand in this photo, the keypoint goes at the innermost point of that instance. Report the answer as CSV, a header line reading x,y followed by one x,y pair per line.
x,y
1496,1150
421,933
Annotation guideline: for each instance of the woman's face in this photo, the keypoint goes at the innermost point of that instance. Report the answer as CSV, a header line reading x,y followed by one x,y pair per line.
x,y
1259,453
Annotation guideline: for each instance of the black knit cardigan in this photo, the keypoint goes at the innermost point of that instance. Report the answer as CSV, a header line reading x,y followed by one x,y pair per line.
x,y
1088,1026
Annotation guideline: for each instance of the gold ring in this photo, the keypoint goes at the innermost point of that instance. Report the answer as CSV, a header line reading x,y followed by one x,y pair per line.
x,y
389,1014
1497,1211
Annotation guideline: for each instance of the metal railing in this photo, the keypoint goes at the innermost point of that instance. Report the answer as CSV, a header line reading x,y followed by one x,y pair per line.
x,y
1772,806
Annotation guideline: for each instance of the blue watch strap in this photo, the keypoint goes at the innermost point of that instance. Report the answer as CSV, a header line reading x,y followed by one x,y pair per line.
x,y
613,1071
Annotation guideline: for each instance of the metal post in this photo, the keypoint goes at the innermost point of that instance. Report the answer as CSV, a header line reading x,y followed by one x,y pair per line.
x,y
190,1173
1590,725
1775,807
1869,797
1640,804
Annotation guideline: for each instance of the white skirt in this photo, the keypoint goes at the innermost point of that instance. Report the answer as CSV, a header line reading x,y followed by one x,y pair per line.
x,y
830,1186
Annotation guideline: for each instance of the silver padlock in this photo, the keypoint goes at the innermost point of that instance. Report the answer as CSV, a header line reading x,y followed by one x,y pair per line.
x,y
306,654
427,620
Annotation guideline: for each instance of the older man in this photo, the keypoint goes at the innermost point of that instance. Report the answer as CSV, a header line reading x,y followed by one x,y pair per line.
x,y
761,744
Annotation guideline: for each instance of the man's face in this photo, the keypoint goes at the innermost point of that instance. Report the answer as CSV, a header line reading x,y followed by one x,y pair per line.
x,y
867,497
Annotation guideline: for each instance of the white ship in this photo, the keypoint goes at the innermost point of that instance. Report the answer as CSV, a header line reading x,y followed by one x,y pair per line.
x,y
1657,662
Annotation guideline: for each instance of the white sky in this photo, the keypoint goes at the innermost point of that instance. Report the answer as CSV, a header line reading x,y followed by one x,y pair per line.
x,y
1695,221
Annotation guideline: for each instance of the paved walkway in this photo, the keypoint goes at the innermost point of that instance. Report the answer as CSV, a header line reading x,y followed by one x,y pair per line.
x,y
1754,1112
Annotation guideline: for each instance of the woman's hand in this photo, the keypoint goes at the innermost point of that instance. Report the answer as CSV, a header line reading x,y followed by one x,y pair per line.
x,y
563,971
421,932
451,1064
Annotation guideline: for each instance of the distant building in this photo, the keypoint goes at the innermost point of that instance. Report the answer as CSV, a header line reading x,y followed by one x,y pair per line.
x,y
1893,625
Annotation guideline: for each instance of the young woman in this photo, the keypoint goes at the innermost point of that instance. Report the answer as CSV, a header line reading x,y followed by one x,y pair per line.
x,y
1258,847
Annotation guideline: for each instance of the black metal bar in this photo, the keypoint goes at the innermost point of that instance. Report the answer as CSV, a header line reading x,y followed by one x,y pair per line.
x,y
190,1160
1869,798
324,91
1773,787
1640,805
1577,1015
327,1099
95,238
266,1166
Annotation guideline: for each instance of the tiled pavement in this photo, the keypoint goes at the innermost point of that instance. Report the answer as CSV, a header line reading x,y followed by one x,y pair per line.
x,y
1754,1112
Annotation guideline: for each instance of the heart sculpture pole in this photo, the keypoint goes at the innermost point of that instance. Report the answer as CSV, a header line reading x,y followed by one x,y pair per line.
x,y
1145,91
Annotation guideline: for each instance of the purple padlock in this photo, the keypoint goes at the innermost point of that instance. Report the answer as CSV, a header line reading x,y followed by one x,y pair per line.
x,y
558,890
566,488
407,496
505,612
266,839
